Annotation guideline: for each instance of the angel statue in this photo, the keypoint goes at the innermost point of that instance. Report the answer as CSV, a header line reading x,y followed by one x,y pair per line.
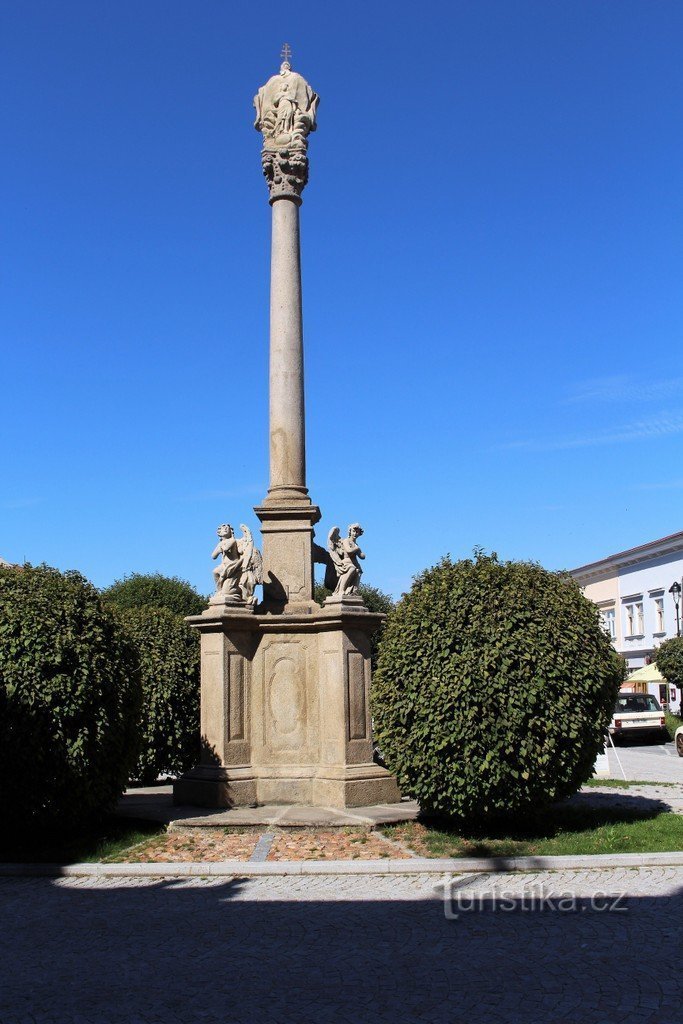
x,y
344,555
228,572
252,565
240,568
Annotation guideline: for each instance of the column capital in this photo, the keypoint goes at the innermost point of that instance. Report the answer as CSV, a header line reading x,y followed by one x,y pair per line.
x,y
286,108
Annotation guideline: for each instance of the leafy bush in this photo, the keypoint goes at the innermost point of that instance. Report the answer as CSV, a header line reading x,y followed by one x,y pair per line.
x,y
168,656
69,699
494,689
673,722
375,599
152,590
669,661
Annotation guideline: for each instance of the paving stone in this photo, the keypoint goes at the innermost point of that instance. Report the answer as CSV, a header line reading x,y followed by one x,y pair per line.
x,y
363,948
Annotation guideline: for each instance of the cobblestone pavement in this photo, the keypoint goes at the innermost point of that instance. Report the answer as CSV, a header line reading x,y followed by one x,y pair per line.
x,y
332,949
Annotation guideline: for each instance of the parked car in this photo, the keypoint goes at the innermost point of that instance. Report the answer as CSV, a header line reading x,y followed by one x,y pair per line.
x,y
638,714
678,740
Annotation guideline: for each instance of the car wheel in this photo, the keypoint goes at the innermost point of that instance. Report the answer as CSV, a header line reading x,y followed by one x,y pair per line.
x,y
679,745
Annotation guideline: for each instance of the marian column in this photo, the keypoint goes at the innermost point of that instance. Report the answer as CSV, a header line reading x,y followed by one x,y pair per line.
x,y
286,109
285,684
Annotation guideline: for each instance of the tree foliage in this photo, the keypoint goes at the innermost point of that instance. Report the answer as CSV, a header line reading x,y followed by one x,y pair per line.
x,y
153,590
168,659
69,699
494,689
375,599
669,661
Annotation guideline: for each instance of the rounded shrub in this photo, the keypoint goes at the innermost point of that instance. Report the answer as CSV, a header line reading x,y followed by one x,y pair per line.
x,y
69,699
494,689
168,659
153,590
669,661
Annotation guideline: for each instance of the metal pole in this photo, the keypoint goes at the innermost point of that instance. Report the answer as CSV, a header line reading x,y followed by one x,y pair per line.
x,y
617,756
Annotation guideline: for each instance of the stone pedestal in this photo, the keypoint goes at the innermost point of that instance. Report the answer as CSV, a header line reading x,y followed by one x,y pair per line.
x,y
285,711
287,530
601,769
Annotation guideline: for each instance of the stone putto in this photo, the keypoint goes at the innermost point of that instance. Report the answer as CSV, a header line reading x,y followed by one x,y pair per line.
x,y
344,555
240,567
252,565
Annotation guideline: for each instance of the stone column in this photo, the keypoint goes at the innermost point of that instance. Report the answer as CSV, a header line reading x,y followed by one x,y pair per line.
x,y
285,115
287,415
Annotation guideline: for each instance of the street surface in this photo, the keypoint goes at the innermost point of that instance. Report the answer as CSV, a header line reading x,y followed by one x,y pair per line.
x,y
334,949
653,762
595,946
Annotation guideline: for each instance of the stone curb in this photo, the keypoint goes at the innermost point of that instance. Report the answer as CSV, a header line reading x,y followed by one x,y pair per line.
x,y
416,865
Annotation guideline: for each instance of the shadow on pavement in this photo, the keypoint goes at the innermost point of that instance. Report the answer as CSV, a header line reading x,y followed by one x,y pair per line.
x,y
616,804
631,739
242,952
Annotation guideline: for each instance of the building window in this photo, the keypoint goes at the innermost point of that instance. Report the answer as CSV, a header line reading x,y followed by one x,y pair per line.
x,y
659,614
609,621
634,618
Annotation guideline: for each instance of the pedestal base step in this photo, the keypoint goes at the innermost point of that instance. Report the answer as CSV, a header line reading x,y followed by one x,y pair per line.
x,y
155,803
341,787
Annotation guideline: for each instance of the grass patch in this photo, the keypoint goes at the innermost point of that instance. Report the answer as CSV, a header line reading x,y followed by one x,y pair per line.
x,y
625,783
562,830
108,838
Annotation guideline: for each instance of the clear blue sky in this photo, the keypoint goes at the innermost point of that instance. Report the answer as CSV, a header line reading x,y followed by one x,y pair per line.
x,y
492,261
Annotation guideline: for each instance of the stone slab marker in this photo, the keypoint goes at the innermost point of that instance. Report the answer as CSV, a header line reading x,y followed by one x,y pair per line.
x,y
285,683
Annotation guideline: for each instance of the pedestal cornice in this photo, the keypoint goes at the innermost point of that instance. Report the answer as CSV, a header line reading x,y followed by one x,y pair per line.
x,y
316,621
287,512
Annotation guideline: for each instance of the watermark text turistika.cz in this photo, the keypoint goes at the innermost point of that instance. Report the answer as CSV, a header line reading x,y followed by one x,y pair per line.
x,y
536,898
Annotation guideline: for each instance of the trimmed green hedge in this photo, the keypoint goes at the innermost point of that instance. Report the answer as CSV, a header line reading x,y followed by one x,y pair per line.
x,y
69,699
494,689
152,590
168,656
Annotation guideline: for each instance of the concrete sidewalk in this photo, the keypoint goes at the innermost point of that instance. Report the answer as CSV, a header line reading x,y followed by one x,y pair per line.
x,y
412,866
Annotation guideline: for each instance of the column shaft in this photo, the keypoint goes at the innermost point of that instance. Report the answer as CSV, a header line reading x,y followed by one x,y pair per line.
x,y
287,417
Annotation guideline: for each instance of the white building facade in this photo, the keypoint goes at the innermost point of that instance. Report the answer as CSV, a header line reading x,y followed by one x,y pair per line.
x,y
632,591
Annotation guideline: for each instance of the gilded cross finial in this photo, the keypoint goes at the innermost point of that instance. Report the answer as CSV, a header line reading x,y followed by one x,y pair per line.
x,y
286,52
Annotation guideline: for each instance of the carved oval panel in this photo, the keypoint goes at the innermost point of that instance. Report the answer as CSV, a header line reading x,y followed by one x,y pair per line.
x,y
286,698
